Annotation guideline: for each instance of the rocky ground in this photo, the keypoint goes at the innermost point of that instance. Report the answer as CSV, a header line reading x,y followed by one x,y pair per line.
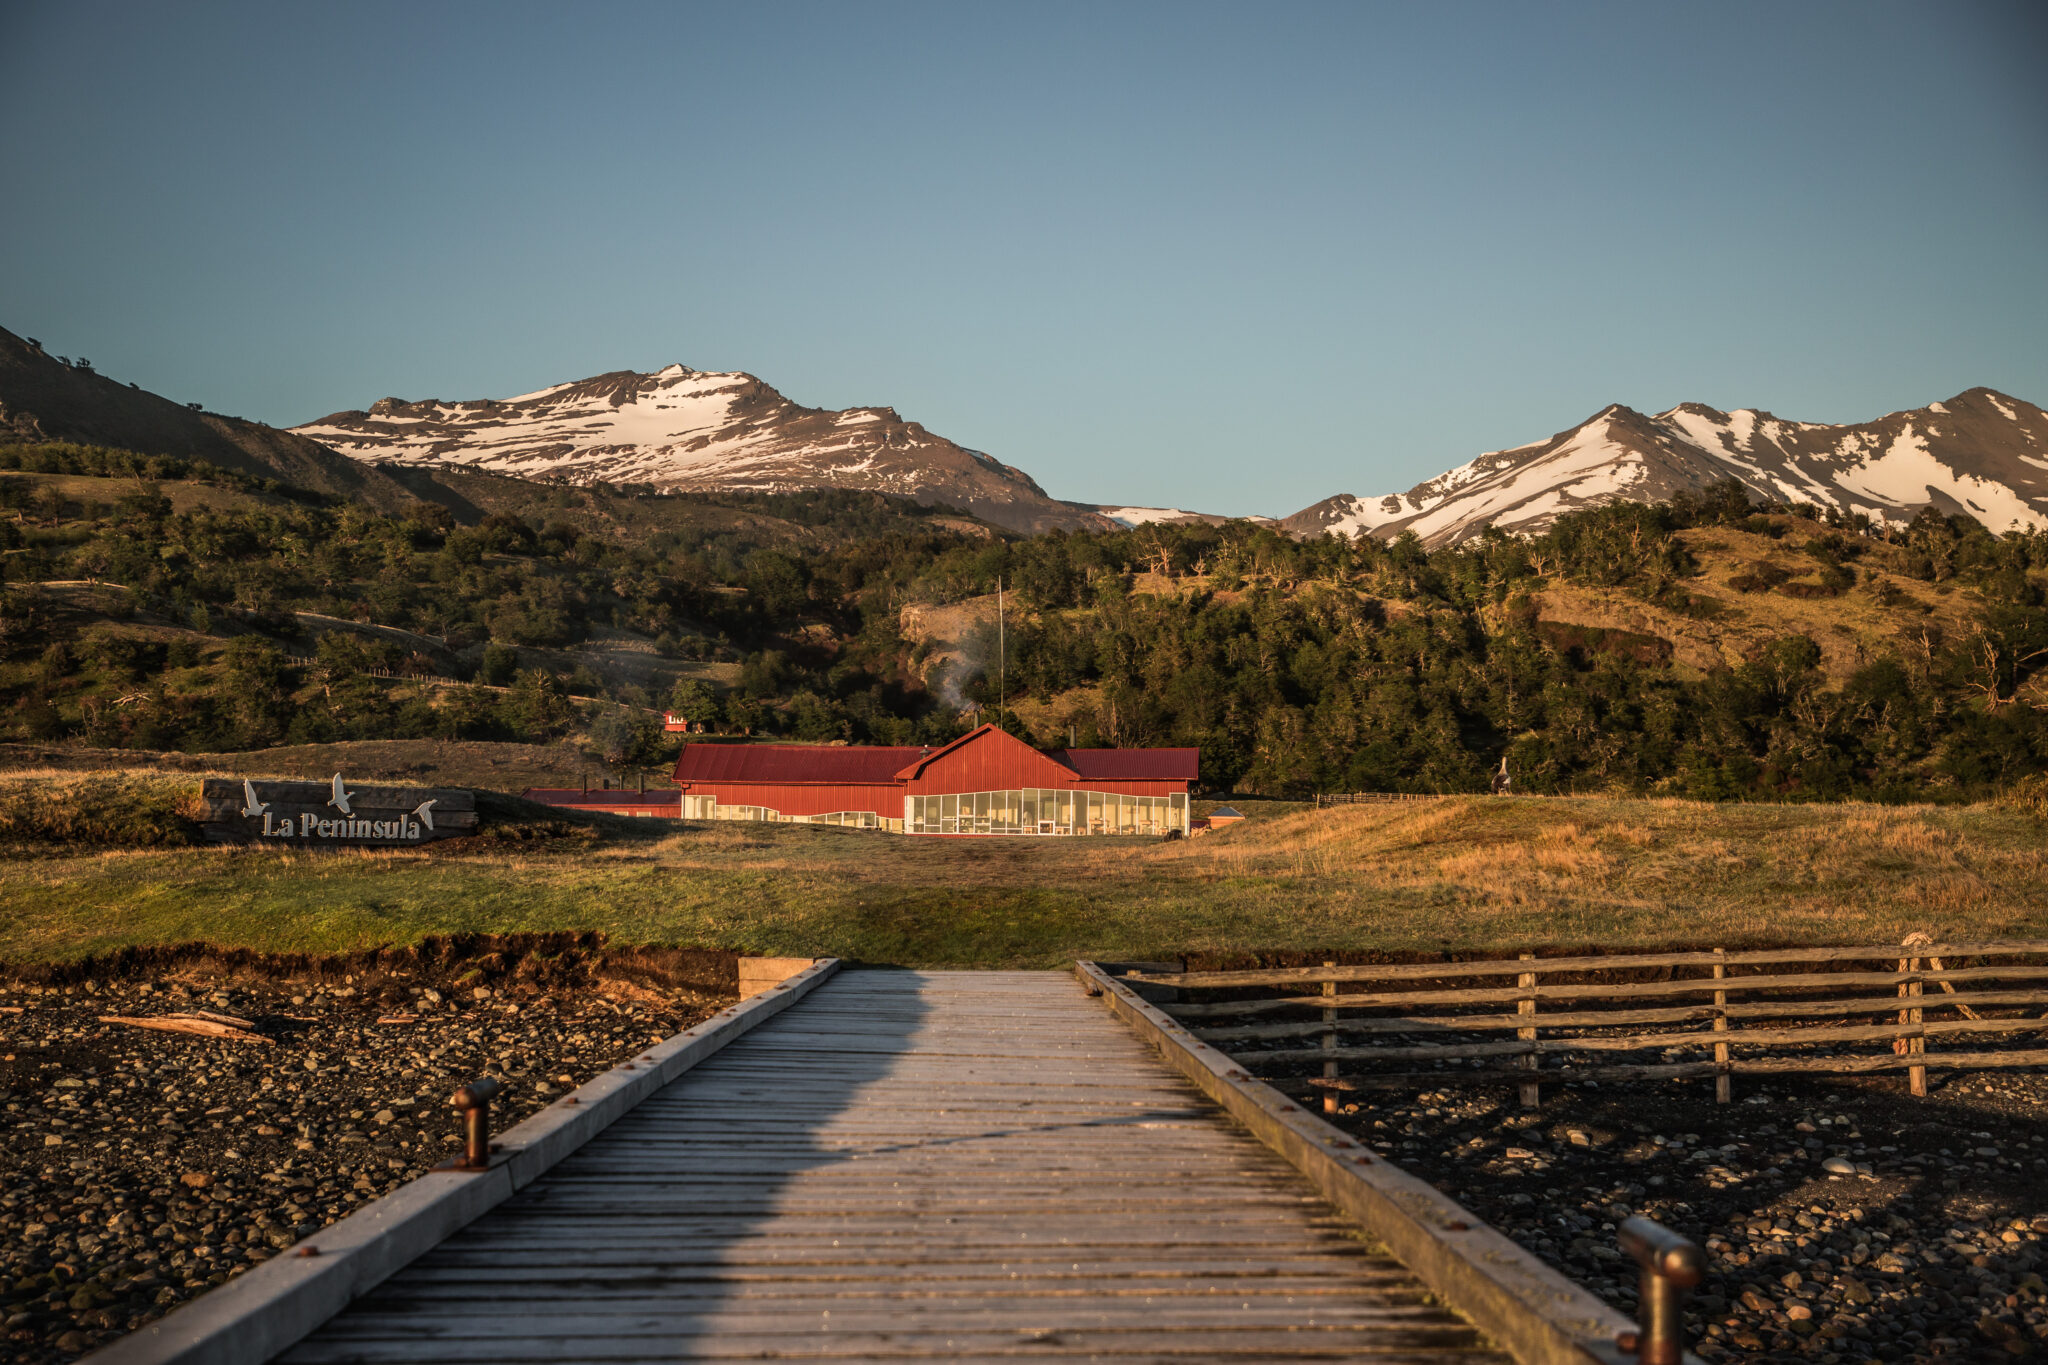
x,y
1847,1222
140,1168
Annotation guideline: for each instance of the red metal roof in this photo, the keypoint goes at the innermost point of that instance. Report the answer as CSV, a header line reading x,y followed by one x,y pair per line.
x,y
1133,765
993,758
994,733
616,796
793,763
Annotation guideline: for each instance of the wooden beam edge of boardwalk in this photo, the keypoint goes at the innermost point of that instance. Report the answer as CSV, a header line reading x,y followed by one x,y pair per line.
x,y
1528,1309
260,1313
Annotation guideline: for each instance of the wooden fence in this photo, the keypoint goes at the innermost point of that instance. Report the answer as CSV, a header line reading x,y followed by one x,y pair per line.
x,y
1324,800
1772,1023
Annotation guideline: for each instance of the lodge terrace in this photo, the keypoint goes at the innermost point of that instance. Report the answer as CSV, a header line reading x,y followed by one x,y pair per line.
x,y
986,782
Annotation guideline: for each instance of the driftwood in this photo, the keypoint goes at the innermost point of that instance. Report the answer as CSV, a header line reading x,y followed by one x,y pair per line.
x,y
200,1023
399,1019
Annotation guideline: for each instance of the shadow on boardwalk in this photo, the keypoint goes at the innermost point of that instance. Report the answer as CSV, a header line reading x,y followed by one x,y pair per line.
x,y
641,1243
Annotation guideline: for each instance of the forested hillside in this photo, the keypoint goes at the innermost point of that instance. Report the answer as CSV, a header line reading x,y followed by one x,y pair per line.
x,y
1702,647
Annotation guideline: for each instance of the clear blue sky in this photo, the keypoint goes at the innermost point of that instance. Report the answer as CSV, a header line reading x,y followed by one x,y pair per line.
x,y
1234,257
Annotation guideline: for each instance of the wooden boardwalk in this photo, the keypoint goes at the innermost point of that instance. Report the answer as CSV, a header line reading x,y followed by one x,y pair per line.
x,y
956,1166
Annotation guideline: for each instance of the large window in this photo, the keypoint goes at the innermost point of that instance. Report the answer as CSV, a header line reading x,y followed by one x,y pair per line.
x,y
851,819
1045,810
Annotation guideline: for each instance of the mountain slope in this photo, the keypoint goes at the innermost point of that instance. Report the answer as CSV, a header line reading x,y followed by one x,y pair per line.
x,y
44,399
1981,453
681,429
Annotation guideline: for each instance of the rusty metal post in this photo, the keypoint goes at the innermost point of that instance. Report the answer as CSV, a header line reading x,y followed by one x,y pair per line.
x,y
1671,1266
473,1102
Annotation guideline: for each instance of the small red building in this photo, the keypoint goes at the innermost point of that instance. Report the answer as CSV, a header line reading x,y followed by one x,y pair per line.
x,y
659,804
986,782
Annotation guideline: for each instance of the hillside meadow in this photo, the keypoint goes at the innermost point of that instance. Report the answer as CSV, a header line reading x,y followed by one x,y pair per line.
x,y
91,862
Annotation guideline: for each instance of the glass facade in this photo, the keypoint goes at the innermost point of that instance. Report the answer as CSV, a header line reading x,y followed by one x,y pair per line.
x,y
709,808
1045,810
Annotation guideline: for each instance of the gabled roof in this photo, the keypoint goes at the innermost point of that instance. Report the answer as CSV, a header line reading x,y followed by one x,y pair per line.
x,y
1133,765
793,763
995,733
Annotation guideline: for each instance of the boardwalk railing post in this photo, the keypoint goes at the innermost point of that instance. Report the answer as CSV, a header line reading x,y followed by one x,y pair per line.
x,y
1330,1045
1724,1084
1532,1091
1671,1266
473,1102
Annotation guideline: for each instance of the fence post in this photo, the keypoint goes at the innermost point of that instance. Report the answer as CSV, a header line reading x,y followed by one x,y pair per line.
x,y
1916,1076
1532,1091
1724,1084
1330,1045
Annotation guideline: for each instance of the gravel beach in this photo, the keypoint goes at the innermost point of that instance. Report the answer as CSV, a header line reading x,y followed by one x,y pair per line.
x,y
140,1168
1845,1222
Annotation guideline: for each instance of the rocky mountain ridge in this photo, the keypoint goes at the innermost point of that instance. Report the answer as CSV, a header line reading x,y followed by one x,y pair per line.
x,y
48,398
1982,453
680,429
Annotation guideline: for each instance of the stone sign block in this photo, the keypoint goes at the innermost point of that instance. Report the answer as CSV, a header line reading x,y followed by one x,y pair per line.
x,y
333,814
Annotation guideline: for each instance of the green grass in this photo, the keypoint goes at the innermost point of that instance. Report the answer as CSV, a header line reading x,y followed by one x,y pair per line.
x,y
1462,874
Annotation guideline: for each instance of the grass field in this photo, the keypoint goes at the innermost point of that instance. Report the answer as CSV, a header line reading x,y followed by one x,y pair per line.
x,y
427,762
1462,873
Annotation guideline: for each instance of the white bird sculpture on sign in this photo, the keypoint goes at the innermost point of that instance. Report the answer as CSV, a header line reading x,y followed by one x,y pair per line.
x,y
251,807
340,799
424,810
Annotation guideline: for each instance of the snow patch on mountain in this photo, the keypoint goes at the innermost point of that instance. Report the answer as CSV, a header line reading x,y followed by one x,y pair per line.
x,y
1148,516
1976,459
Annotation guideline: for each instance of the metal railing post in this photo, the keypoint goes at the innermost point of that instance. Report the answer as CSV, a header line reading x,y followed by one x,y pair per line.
x,y
1671,1266
473,1102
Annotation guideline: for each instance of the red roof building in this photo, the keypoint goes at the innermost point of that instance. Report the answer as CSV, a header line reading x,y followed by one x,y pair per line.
x,y
660,804
986,782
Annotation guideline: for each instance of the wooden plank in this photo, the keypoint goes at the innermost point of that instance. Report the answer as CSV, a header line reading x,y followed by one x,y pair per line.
x,y
899,1171
1644,1042
1040,1340
253,1317
1753,1066
1668,1014
1531,1310
1431,971
1596,991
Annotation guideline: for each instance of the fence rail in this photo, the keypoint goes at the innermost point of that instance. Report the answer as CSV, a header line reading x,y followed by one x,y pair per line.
x,y
1420,1020
1326,799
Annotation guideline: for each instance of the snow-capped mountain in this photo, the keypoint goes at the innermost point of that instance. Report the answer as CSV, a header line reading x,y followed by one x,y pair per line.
x,y
683,429
1981,453
1145,516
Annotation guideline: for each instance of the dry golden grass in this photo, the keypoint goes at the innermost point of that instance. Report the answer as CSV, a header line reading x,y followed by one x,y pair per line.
x,y
1464,873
